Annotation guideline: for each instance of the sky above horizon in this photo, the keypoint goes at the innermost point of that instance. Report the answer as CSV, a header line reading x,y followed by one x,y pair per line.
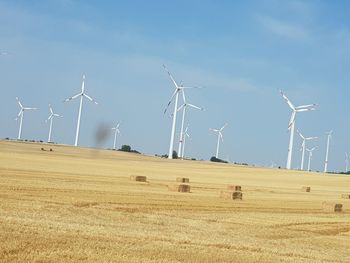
x,y
241,52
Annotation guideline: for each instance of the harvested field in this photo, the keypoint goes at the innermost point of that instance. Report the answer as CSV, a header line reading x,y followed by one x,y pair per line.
x,y
79,205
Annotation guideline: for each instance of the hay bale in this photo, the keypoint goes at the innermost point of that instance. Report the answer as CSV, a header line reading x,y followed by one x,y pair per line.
x,y
306,189
233,187
233,195
346,196
332,207
182,188
182,179
138,178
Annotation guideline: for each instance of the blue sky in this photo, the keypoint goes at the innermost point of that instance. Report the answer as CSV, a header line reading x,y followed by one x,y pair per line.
x,y
242,52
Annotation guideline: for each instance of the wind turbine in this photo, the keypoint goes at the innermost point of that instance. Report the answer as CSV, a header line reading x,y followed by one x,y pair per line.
x,y
184,107
310,157
346,162
50,118
303,146
20,115
176,96
81,95
329,135
117,131
219,136
184,142
291,124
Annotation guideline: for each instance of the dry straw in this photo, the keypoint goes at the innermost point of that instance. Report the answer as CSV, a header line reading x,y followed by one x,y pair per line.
x,y
346,196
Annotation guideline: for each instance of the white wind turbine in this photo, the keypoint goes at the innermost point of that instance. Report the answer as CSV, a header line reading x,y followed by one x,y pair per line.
x,y
20,115
291,124
329,135
176,96
81,95
303,146
184,107
347,157
50,118
219,136
117,131
184,142
310,157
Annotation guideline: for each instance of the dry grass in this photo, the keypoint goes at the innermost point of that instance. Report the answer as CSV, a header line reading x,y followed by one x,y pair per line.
x,y
73,204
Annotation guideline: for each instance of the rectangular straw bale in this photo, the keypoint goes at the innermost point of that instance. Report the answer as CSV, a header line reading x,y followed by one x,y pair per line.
x,y
233,187
306,189
138,178
233,195
182,179
346,196
332,207
182,188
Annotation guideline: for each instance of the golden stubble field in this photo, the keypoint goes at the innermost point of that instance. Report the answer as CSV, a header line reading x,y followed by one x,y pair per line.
x,y
78,205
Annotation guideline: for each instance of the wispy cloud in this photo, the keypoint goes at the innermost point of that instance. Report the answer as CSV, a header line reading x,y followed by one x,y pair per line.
x,y
282,28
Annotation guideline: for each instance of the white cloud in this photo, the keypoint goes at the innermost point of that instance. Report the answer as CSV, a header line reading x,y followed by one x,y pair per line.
x,y
282,28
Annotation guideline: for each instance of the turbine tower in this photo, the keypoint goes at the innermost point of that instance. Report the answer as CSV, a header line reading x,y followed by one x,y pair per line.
x,y
303,146
20,115
50,118
346,162
117,131
176,96
310,157
329,135
291,124
82,94
184,142
219,136
184,107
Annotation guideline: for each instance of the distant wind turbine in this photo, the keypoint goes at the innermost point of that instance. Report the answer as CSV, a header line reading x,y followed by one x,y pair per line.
x,y
219,131
184,142
329,135
20,115
346,162
291,124
117,131
310,157
81,95
176,96
303,146
184,107
50,118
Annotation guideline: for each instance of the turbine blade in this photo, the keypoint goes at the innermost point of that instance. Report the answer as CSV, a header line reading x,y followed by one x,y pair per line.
x,y
19,114
183,96
222,138
307,106
223,127
287,100
28,108
292,119
89,98
74,97
171,99
166,69
195,107
181,107
19,103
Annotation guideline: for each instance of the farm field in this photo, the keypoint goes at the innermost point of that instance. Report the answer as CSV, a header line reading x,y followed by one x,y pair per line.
x,y
78,205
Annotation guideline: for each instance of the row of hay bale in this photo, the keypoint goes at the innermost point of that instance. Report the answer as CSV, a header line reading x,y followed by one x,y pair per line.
x,y
329,206
234,192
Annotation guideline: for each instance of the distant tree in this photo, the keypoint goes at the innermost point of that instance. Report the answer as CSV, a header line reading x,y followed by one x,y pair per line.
x,y
175,156
217,160
125,148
